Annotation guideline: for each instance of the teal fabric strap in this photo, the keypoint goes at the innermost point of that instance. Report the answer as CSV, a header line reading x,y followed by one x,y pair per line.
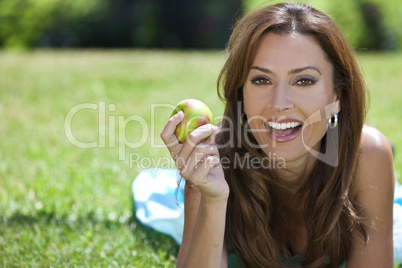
x,y
233,262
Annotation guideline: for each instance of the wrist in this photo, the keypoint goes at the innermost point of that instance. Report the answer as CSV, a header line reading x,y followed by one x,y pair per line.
x,y
215,201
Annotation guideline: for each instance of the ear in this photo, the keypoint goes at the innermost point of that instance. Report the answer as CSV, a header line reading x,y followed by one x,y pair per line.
x,y
333,107
337,106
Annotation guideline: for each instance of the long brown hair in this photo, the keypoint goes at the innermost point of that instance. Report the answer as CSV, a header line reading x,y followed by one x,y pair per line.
x,y
257,222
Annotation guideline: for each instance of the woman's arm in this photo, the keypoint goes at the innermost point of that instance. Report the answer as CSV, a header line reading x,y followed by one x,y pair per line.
x,y
205,196
203,234
192,198
373,189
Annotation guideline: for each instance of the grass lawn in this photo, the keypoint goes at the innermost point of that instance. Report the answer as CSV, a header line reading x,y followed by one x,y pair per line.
x,y
64,205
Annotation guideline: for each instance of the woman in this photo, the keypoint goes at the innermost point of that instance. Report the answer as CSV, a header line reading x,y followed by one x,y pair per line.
x,y
293,93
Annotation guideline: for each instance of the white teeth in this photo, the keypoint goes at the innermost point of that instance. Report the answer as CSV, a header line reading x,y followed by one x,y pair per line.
x,y
283,125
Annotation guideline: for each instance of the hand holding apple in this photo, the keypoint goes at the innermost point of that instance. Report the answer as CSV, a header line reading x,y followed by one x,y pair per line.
x,y
198,162
196,114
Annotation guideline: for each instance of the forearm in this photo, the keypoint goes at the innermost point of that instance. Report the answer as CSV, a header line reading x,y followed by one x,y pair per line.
x,y
206,246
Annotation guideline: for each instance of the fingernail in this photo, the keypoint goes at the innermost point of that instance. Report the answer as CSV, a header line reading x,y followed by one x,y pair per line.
x,y
179,114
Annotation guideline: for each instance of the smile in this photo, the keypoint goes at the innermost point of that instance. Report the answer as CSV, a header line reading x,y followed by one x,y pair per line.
x,y
284,130
283,125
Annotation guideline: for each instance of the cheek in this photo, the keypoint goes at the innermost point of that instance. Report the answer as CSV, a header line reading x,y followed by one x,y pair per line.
x,y
254,102
315,127
322,102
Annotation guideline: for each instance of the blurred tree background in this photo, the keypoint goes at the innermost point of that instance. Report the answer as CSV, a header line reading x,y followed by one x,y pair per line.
x,y
116,23
369,24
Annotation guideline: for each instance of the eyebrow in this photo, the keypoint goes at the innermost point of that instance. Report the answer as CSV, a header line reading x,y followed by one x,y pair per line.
x,y
293,71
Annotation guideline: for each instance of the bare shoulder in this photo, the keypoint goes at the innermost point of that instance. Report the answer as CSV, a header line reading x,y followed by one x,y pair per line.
x,y
374,144
373,189
375,161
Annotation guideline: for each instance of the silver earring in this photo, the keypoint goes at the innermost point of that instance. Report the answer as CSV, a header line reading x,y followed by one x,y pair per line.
x,y
333,121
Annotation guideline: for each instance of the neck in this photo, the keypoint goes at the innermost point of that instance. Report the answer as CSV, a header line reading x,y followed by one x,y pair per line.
x,y
296,173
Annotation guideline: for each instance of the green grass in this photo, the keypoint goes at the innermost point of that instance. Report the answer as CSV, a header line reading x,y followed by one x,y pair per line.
x,y
61,205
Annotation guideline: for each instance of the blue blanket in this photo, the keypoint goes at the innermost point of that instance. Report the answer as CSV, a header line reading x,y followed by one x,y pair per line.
x,y
160,204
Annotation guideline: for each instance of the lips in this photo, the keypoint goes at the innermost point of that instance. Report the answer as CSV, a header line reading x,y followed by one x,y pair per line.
x,y
284,130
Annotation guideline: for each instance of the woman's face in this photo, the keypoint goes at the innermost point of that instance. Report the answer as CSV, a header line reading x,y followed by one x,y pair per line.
x,y
289,95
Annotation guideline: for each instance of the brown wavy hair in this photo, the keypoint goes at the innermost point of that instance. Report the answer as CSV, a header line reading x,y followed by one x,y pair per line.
x,y
258,229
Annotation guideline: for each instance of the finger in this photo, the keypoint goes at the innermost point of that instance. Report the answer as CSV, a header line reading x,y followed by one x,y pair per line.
x,y
200,175
212,138
198,154
168,134
188,170
201,133
195,137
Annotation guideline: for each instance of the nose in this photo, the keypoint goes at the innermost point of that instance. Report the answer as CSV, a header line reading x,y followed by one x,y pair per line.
x,y
281,99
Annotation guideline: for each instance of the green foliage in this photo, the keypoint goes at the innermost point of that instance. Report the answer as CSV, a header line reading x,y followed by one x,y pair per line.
x,y
358,20
348,17
392,19
22,22
369,24
110,23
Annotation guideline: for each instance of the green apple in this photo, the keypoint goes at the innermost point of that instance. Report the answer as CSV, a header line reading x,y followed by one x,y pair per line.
x,y
196,114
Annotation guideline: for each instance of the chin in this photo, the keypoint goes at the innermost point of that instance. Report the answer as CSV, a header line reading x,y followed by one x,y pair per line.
x,y
286,154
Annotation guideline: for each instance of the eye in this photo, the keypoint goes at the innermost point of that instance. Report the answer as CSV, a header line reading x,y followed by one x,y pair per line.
x,y
260,81
305,81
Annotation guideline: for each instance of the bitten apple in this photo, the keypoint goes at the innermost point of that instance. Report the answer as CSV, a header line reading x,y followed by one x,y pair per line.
x,y
196,114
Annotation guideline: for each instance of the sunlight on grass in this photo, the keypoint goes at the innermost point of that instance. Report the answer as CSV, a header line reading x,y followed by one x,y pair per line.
x,y
64,205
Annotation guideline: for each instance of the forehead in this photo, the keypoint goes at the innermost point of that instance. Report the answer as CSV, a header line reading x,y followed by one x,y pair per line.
x,y
289,51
